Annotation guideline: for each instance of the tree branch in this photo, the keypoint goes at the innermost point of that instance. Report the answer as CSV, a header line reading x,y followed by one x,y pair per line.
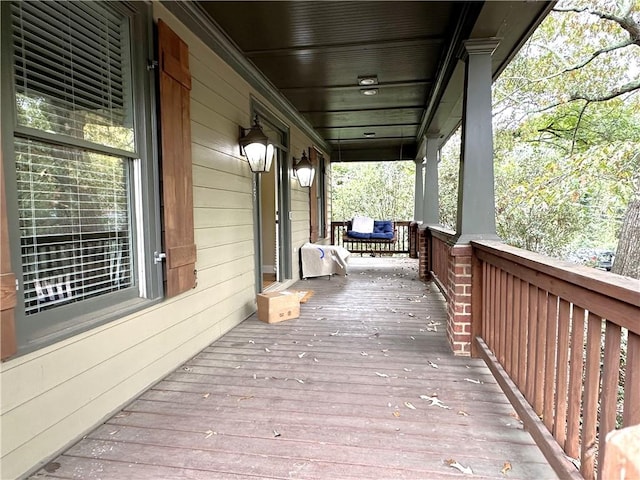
x,y
627,88
593,56
575,130
626,21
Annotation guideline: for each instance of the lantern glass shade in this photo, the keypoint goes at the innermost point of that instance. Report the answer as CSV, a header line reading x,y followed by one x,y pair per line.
x,y
304,171
255,145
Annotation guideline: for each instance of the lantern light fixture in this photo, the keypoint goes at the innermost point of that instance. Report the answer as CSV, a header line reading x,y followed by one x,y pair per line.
x,y
257,147
304,170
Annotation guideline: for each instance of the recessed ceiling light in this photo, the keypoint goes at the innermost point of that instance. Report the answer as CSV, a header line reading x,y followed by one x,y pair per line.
x,y
369,91
368,80
369,134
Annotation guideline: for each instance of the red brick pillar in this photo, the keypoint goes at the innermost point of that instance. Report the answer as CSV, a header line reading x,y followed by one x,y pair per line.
x,y
459,304
423,253
413,240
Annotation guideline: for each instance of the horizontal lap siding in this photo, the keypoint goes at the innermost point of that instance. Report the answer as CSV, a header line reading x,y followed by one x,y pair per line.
x,y
52,396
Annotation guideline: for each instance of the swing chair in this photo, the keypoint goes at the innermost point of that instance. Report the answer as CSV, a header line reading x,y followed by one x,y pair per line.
x,y
366,235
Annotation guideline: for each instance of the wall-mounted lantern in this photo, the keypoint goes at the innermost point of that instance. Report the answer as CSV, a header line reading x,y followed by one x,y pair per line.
x,y
304,170
257,147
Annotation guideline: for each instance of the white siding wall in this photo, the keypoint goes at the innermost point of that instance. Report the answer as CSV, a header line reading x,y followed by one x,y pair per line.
x,y
51,397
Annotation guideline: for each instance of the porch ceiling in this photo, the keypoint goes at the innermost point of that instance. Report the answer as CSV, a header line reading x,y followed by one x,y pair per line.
x,y
313,52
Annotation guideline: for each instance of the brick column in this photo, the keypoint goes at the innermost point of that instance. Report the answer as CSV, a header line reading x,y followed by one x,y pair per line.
x,y
459,304
423,253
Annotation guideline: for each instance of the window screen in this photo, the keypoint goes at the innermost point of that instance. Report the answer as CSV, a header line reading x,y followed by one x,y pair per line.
x,y
73,79
74,224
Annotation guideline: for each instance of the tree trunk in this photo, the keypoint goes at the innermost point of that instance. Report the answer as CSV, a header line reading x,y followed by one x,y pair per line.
x,y
627,260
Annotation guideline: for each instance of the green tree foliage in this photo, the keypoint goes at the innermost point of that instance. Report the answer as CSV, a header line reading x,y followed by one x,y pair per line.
x,y
567,131
383,190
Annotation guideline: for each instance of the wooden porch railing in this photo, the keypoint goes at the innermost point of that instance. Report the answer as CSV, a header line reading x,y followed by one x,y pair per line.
x,y
405,238
554,335
440,244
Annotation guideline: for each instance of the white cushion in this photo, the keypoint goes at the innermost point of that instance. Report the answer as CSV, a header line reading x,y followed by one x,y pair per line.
x,y
362,224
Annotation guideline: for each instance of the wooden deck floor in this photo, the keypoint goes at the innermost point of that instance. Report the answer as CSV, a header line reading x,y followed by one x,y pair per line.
x,y
343,392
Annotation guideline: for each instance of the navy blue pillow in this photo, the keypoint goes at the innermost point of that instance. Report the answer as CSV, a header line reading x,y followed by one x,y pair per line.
x,y
385,236
353,234
383,226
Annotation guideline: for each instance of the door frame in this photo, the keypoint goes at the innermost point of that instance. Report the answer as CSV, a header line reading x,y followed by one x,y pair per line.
x,y
283,202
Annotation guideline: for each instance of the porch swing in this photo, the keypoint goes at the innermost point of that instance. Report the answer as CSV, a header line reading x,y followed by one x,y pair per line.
x,y
365,233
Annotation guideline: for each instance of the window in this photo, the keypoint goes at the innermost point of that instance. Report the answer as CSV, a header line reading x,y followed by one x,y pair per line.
x,y
82,167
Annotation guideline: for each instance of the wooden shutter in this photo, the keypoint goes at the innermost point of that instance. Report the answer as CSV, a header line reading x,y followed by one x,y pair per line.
x,y
322,173
7,282
177,185
313,199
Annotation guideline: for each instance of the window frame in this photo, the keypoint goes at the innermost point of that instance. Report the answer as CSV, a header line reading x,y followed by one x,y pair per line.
x,y
44,328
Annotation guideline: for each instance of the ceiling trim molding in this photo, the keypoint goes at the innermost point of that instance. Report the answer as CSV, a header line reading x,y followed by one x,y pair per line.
x,y
465,20
346,47
202,25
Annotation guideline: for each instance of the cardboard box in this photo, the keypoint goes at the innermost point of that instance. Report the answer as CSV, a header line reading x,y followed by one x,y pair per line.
x,y
275,307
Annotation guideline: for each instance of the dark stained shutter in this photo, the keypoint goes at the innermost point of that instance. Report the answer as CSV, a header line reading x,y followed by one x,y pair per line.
x,y
313,199
177,186
7,282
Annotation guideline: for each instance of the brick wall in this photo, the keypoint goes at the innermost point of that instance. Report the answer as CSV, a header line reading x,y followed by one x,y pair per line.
x,y
423,253
457,284
459,305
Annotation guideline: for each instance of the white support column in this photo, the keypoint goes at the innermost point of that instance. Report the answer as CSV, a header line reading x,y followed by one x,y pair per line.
x,y
419,190
476,203
431,209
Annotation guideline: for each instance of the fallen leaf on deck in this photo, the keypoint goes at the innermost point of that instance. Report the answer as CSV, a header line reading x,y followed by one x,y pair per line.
x,y
411,314
396,414
435,401
114,432
267,350
409,405
463,413
412,338
299,381
334,333
315,359
471,380
208,433
247,397
251,341
383,375
302,354
453,464
433,365
276,433
407,369
206,395
364,354
505,468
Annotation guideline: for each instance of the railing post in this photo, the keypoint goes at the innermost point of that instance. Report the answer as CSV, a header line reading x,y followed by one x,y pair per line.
x,y
477,304
622,460
458,286
424,253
